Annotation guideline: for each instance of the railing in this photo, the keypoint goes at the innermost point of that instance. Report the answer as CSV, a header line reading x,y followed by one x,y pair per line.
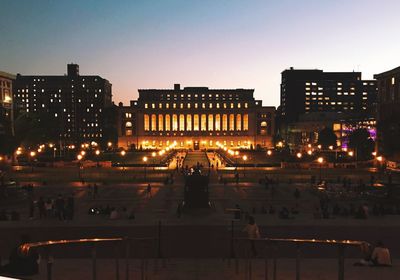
x,y
127,242
272,243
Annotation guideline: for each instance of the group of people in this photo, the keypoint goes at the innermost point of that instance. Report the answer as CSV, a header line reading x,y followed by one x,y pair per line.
x,y
60,207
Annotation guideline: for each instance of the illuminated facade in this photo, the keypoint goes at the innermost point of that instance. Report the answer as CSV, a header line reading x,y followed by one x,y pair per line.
x,y
314,99
78,104
6,103
196,118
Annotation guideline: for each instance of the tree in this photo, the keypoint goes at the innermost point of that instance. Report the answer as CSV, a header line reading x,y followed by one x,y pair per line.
x,y
326,138
361,142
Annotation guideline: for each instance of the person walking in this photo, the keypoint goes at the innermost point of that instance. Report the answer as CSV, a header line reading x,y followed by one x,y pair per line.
x,y
253,232
148,190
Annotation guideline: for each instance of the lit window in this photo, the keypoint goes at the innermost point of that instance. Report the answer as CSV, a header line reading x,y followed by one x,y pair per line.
x,y
167,122
160,122
153,106
393,80
239,105
245,122
196,105
203,122
146,105
210,122
153,122
224,105
203,105
188,105
232,106
239,122
174,105
188,122
231,122
196,122
225,122
174,122
210,105
181,122
217,122
217,105
181,106
160,105
167,105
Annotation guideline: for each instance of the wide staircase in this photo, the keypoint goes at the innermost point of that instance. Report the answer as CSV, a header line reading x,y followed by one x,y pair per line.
x,y
196,157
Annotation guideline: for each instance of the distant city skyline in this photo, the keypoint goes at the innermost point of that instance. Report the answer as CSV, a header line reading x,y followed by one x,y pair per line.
x,y
215,44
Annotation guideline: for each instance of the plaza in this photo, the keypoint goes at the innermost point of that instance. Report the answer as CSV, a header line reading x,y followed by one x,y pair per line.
x,y
200,234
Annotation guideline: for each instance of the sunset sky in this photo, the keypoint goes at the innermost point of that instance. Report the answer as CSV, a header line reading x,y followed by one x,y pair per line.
x,y
214,43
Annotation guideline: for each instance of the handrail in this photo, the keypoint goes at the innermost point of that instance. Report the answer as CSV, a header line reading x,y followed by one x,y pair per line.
x,y
24,248
313,241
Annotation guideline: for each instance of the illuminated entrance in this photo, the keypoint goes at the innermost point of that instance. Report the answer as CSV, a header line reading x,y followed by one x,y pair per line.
x,y
196,145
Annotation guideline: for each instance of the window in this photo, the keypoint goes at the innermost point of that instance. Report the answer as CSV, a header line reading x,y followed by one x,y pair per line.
x,y
160,122
174,122
238,122
210,122
231,122
246,105
203,122
146,105
217,122
153,105
146,122
196,122
189,122
167,122
245,122
160,105
232,106
153,122
181,122
128,124
393,80
225,122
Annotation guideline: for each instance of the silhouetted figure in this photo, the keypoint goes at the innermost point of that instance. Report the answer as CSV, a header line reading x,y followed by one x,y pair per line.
x,y
148,190
60,207
381,255
21,264
41,208
253,232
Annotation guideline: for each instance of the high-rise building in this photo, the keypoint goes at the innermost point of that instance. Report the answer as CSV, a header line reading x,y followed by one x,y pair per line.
x,y
196,118
6,103
388,119
78,105
308,91
313,99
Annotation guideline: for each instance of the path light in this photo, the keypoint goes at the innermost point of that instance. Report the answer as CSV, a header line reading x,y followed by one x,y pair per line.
x,y
123,153
351,153
320,159
269,152
309,152
83,153
299,155
97,152
79,157
379,158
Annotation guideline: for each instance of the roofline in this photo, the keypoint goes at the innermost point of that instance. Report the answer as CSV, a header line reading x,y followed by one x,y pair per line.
x,y
387,73
7,75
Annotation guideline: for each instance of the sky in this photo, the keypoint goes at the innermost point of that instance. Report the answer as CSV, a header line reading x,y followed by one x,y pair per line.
x,y
213,43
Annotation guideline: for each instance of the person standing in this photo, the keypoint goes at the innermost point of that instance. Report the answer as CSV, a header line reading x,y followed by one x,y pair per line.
x,y
148,190
253,232
60,205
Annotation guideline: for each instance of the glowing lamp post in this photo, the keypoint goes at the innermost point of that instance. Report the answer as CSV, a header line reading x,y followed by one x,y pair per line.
x,y
123,153
79,157
244,165
320,161
153,156
145,165
32,154
299,155
97,153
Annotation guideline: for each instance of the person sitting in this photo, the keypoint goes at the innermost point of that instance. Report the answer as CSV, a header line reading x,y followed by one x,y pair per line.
x,y
114,214
381,255
284,213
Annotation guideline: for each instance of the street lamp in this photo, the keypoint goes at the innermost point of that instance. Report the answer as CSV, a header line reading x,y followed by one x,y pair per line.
x,y
269,152
299,155
123,153
32,154
320,160
145,165
97,153
153,155
244,165
79,158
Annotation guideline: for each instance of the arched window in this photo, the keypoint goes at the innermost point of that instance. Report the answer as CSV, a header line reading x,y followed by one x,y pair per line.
x,y
263,128
245,122
239,122
160,122
174,122
210,122
167,122
181,122
225,122
196,122
128,124
189,122
153,122
146,122
203,122
217,122
231,122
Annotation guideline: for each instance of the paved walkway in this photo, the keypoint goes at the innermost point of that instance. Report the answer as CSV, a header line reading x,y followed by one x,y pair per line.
x,y
210,269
